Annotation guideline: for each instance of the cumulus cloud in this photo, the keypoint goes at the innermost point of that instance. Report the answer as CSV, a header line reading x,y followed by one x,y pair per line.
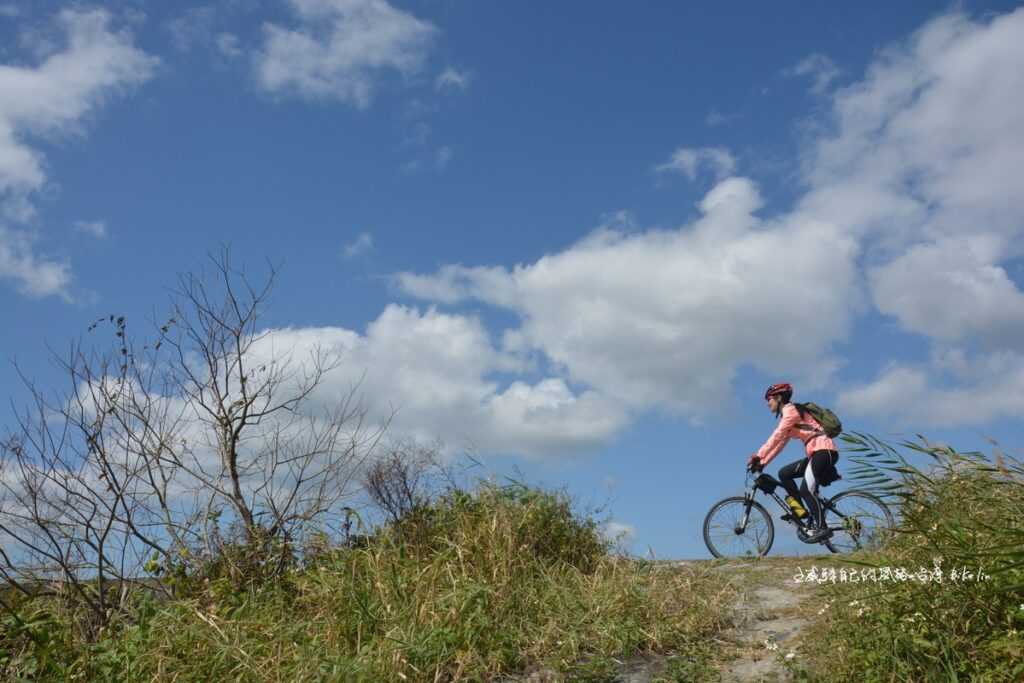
x,y
921,164
665,318
952,290
688,160
819,68
436,370
953,390
336,49
926,146
50,100
911,202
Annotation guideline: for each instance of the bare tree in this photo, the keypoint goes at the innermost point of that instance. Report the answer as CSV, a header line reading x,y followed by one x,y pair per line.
x,y
154,455
405,476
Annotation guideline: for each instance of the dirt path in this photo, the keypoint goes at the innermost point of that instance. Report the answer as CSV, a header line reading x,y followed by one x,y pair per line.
x,y
768,623
768,620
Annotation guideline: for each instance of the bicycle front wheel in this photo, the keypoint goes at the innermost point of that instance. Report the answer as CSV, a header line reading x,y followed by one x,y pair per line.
x,y
859,521
730,530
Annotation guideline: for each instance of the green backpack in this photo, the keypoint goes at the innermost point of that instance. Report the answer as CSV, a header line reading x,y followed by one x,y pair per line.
x,y
825,417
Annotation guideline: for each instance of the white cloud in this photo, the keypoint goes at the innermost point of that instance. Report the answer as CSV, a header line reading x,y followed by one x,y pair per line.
x,y
35,276
688,160
97,229
437,371
912,197
665,318
952,390
51,100
454,283
922,165
452,79
928,144
548,418
819,68
338,48
360,245
952,290
9,11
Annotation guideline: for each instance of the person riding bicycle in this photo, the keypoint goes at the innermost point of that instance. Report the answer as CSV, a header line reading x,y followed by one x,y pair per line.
x,y
818,466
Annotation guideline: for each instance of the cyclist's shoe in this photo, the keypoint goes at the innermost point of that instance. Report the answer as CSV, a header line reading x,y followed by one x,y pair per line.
x,y
817,535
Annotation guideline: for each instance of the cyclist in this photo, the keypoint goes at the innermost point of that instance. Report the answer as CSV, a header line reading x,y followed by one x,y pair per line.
x,y
819,465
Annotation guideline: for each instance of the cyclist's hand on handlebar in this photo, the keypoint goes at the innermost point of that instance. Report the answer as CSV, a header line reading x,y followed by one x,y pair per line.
x,y
754,464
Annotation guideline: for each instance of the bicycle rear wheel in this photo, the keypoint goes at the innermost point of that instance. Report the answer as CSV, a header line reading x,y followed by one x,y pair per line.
x,y
859,521
730,532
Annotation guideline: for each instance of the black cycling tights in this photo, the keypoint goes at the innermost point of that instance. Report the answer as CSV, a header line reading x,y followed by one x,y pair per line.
x,y
820,462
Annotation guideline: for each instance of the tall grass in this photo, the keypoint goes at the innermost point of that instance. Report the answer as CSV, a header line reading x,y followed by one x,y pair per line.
x,y
470,587
957,511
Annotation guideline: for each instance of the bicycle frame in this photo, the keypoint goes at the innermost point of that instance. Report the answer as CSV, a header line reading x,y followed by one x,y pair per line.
x,y
854,529
767,484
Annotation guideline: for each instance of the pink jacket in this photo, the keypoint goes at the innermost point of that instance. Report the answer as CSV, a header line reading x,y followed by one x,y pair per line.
x,y
792,426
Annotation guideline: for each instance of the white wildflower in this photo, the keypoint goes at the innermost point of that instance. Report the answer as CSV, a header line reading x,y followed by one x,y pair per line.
x,y
790,656
854,603
771,644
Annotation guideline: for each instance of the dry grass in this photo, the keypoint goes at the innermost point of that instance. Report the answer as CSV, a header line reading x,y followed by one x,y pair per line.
x,y
473,587
960,510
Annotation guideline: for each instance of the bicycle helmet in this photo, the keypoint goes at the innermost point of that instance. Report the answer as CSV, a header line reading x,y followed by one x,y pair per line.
x,y
783,389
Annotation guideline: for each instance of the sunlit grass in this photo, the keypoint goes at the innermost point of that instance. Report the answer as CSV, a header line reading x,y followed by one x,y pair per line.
x,y
959,511
506,579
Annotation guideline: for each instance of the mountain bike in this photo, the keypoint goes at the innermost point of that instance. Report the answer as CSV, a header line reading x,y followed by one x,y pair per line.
x,y
739,526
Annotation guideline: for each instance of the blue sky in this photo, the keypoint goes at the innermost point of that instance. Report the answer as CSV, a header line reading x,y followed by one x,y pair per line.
x,y
578,239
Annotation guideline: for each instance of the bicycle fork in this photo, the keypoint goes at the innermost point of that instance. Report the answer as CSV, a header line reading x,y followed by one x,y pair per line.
x,y
741,525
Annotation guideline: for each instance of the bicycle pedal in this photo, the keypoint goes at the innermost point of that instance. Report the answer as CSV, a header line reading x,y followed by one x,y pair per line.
x,y
787,518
